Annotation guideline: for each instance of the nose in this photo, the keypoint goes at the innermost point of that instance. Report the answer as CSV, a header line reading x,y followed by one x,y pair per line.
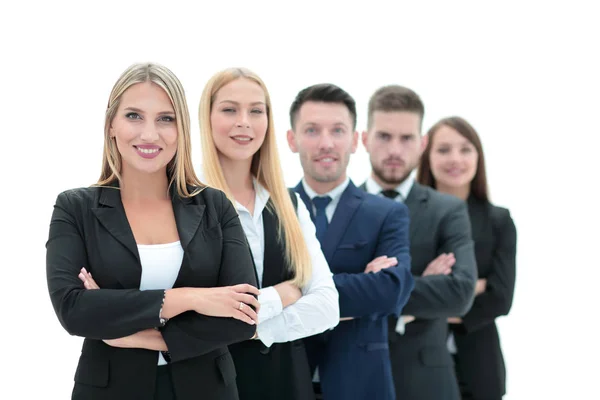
x,y
243,121
149,133
454,155
395,148
325,141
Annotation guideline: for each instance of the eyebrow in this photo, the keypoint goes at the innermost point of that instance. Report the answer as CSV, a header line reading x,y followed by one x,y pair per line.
x,y
318,124
236,103
134,109
391,134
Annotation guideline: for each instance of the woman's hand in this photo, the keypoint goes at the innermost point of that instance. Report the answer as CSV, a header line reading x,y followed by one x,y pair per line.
x,y
288,293
230,301
88,281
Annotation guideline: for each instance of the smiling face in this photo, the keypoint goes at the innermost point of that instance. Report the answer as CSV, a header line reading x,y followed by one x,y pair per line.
x,y
453,159
323,136
144,129
239,119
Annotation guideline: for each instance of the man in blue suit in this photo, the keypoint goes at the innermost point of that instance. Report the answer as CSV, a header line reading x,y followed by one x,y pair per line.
x,y
365,240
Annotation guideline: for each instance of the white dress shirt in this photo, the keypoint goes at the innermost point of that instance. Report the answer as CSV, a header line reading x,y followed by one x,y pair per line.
x,y
318,309
335,194
404,188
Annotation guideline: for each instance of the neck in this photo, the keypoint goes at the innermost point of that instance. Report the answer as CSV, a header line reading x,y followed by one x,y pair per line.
x,y
323,187
136,186
462,192
238,177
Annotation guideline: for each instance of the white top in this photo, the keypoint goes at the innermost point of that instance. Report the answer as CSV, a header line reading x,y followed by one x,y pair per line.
x,y
318,309
403,188
160,267
335,194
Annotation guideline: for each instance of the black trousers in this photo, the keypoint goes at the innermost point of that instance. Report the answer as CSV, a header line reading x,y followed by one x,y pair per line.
x,y
465,393
164,384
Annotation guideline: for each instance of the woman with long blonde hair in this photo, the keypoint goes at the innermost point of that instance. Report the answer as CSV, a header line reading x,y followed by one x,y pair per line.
x,y
173,282
298,297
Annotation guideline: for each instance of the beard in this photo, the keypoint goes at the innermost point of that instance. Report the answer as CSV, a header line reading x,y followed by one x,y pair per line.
x,y
391,179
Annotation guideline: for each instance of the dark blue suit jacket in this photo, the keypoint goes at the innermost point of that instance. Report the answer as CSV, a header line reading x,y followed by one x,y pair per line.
x,y
353,358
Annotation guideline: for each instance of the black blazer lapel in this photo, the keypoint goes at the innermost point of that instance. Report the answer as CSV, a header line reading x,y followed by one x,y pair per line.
x,y
349,202
111,214
188,216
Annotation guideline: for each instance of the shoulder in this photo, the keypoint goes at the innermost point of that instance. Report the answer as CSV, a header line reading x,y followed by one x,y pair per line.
x,y
83,196
212,198
373,204
443,200
500,216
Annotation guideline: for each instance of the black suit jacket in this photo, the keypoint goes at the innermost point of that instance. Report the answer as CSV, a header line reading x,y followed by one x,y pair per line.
x,y
421,364
480,365
89,229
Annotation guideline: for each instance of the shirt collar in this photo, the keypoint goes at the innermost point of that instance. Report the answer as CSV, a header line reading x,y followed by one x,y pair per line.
x,y
404,188
260,200
334,193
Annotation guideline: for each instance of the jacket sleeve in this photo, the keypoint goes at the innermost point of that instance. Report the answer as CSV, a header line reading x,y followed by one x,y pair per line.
x,y
94,314
191,334
497,299
443,296
387,291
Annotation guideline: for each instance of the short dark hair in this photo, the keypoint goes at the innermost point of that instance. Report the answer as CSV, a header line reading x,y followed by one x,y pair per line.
x,y
479,185
326,93
392,98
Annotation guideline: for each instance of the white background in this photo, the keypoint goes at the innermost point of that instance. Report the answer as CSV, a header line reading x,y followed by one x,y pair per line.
x,y
525,75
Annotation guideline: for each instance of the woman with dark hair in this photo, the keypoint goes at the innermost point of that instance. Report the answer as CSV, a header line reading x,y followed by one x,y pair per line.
x,y
453,163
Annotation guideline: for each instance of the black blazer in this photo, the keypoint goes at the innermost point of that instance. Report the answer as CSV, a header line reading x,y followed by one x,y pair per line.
x,y
480,365
421,364
89,229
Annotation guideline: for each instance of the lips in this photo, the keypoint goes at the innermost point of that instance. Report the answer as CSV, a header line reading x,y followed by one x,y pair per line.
x,y
242,139
454,171
148,151
393,163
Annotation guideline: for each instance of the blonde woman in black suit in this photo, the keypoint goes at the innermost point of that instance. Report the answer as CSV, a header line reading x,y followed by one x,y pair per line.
x,y
173,282
298,296
453,163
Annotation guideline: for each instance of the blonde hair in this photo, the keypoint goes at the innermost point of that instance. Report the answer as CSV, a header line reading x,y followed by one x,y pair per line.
x,y
266,168
180,169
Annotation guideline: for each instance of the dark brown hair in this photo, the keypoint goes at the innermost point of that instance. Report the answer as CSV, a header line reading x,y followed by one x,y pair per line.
x,y
326,93
394,98
479,183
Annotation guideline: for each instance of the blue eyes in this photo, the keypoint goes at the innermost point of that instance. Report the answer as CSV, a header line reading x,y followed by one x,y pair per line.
x,y
254,111
133,115
136,116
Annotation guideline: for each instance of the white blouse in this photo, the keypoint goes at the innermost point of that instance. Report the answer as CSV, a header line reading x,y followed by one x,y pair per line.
x,y
318,309
160,267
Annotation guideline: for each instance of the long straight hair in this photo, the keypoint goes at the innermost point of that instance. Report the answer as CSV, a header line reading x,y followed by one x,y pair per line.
x,y
479,186
180,170
265,167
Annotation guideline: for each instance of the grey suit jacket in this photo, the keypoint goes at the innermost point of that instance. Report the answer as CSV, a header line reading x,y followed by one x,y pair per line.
x,y
422,366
